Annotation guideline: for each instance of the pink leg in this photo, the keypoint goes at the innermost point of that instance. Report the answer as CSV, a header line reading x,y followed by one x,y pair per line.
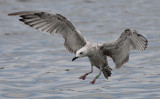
x,y
84,76
94,80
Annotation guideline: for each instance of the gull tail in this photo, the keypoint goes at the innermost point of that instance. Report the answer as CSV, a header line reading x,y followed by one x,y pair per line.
x,y
106,71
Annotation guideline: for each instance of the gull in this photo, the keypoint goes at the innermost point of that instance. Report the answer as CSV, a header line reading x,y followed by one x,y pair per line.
x,y
75,43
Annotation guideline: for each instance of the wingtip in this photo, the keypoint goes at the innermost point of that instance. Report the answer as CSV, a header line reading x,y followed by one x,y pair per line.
x,y
127,30
11,14
22,13
15,13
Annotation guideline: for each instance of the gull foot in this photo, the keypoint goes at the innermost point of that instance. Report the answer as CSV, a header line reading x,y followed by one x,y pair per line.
x,y
93,81
83,77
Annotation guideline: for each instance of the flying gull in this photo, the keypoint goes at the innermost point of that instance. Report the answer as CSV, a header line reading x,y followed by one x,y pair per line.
x,y
75,43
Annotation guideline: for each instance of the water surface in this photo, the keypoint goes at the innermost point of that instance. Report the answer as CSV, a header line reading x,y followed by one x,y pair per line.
x,y
36,65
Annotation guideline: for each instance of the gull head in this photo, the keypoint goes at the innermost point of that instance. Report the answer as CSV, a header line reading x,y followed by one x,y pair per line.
x,y
81,53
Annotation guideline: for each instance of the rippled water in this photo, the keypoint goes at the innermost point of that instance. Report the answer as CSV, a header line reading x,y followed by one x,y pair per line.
x,y
36,65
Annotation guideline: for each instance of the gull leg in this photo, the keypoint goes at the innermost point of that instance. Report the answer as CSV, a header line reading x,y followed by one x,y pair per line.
x,y
84,76
94,80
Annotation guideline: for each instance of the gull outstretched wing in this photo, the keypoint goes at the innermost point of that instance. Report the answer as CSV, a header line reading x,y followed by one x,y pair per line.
x,y
119,50
54,23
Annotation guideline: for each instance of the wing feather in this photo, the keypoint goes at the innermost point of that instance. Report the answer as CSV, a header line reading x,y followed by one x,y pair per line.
x,y
54,23
119,50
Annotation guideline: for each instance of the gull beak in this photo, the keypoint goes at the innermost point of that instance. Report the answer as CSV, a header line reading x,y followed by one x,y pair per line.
x,y
74,58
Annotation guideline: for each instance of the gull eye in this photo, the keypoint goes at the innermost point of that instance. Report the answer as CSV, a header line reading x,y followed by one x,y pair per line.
x,y
81,53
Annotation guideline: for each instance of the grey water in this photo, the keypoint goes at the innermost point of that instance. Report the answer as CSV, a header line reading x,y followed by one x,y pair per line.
x,y
36,65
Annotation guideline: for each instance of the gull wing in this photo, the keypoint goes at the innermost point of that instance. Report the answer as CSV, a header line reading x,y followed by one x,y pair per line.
x,y
54,23
119,50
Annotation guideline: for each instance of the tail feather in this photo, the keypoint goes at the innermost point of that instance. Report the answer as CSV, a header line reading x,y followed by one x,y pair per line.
x,y
106,72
